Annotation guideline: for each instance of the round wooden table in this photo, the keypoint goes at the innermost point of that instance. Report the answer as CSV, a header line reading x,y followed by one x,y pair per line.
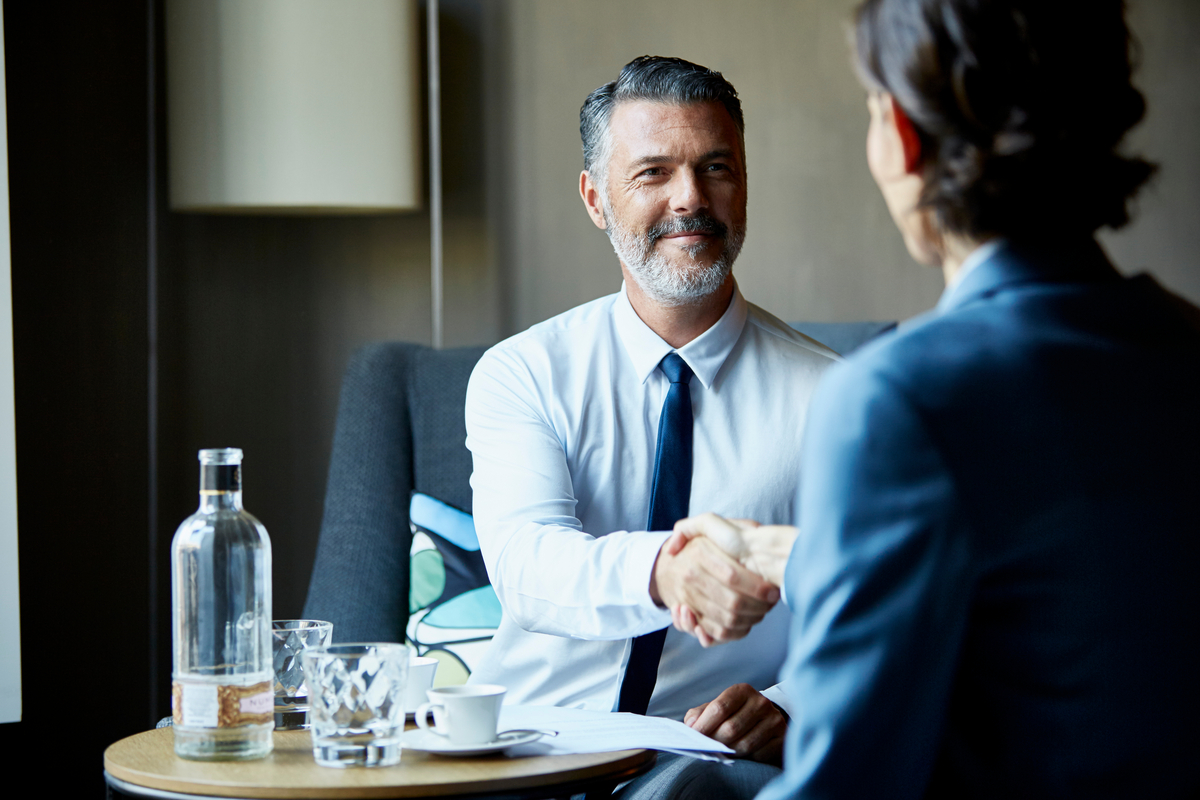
x,y
145,764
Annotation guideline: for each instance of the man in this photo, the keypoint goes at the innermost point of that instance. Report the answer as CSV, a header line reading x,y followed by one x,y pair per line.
x,y
592,431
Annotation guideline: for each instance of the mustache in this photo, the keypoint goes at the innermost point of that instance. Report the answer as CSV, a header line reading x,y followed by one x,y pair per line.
x,y
699,223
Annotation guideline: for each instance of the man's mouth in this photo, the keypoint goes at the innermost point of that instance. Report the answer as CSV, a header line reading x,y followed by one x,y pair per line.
x,y
687,230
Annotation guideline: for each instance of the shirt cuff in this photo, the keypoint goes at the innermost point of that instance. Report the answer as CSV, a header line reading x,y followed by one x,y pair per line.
x,y
791,573
643,553
778,696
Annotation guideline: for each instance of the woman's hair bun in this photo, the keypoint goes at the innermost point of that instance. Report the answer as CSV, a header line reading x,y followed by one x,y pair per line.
x,y
1021,106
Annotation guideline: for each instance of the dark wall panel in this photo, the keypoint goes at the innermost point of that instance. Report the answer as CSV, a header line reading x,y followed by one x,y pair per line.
x,y
253,320
78,177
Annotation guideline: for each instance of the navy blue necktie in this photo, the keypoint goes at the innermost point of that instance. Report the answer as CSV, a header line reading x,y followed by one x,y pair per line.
x,y
668,503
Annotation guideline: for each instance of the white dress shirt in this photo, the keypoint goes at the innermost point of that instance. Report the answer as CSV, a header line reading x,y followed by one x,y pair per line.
x,y
562,424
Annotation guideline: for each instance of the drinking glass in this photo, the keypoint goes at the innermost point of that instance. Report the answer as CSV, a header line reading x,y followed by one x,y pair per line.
x,y
356,692
291,637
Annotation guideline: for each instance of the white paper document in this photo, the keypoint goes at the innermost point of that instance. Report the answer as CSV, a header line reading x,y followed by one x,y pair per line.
x,y
578,731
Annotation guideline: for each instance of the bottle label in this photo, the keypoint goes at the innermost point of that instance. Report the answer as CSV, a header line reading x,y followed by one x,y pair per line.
x,y
212,705
220,478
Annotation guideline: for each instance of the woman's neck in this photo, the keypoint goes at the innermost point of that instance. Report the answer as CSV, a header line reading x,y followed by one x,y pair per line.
x,y
955,250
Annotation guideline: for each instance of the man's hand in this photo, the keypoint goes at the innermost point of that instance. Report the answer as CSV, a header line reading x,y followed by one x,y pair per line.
x,y
743,719
761,548
728,598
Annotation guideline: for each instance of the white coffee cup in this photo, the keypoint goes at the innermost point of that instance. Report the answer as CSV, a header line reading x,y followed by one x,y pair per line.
x,y
463,714
421,670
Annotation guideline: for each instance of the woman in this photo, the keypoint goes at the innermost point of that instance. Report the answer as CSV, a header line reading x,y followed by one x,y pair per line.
x,y
993,581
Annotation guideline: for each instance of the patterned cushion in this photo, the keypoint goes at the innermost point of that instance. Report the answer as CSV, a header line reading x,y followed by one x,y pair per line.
x,y
453,610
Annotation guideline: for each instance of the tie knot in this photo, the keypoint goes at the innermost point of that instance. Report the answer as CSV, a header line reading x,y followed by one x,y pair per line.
x,y
675,368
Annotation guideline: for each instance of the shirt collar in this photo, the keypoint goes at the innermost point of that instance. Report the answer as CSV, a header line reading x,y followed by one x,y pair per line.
x,y
953,294
978,256
705,354
1010,262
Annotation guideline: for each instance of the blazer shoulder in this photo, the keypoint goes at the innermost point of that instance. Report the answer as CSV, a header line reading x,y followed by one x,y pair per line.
x,y
930,352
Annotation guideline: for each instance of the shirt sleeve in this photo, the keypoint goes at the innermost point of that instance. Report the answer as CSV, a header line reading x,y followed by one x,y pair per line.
x,y
879,583
549,574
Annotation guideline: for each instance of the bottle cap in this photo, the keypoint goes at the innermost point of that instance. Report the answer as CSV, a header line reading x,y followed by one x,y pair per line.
x,y
221,455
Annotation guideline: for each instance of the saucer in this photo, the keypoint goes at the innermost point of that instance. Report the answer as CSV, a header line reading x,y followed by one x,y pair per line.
x,y
432,743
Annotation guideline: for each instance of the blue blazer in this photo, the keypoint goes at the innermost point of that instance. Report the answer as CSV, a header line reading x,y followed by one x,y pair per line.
x,y
997,580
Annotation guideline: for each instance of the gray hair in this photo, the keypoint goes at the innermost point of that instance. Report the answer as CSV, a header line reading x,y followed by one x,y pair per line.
x,y
658,79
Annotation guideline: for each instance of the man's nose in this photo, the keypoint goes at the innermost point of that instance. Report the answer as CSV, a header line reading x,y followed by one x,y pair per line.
x,y
687,193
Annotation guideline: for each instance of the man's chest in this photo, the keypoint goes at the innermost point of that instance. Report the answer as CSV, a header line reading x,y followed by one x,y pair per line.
x,y
745,455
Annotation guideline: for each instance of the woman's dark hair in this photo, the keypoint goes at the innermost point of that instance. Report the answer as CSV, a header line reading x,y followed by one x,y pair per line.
x,y
1020,106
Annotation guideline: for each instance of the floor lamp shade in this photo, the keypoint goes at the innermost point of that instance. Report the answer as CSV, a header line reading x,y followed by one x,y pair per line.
x,y
293,106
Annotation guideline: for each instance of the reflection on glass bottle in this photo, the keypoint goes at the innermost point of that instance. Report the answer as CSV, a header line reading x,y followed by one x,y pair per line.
x,y
221,693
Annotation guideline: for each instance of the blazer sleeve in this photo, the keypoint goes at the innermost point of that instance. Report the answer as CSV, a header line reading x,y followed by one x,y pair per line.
x,y
879,583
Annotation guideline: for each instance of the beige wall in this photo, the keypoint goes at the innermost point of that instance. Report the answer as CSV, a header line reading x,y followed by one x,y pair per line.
x,y
1165,237
821,246
259,315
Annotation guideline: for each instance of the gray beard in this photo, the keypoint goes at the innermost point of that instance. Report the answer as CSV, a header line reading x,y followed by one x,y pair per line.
x,y
663,283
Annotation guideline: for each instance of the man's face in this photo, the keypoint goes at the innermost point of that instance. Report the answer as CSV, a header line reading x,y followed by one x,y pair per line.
x,y
675,205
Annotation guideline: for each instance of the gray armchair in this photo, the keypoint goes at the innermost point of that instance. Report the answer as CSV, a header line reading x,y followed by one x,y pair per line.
x,y
400,428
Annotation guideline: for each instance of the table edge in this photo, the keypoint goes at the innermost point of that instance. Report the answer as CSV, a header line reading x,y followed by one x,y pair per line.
x,y
624,765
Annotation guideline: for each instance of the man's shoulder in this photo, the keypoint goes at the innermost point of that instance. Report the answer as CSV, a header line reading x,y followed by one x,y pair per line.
x,y
561,333
532,355
776,334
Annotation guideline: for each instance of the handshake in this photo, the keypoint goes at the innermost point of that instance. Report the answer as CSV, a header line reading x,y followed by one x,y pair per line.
x,y
721,576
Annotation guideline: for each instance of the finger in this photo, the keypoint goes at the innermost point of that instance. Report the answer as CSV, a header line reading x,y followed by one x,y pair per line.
x,y
769,547
699,577
724,616
675,544
756,730
742,522
718,529
731,573
718,711
693,713
771,753
750,726
699,524
683,619
709,633
687,618
725,612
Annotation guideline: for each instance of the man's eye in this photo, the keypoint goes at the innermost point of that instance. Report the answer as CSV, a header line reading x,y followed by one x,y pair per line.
x,y
717,168
653,172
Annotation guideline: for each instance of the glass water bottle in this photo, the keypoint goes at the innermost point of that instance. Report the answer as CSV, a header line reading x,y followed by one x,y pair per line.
x,y
221,692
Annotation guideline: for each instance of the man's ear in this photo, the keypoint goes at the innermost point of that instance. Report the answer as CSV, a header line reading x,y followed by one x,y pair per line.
x,y
592,199
910,140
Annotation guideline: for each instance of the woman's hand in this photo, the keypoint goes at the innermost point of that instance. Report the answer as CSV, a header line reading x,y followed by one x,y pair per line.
x,y
763,549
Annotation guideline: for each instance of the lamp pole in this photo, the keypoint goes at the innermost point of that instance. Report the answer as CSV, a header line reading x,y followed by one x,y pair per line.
x,y
435,171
